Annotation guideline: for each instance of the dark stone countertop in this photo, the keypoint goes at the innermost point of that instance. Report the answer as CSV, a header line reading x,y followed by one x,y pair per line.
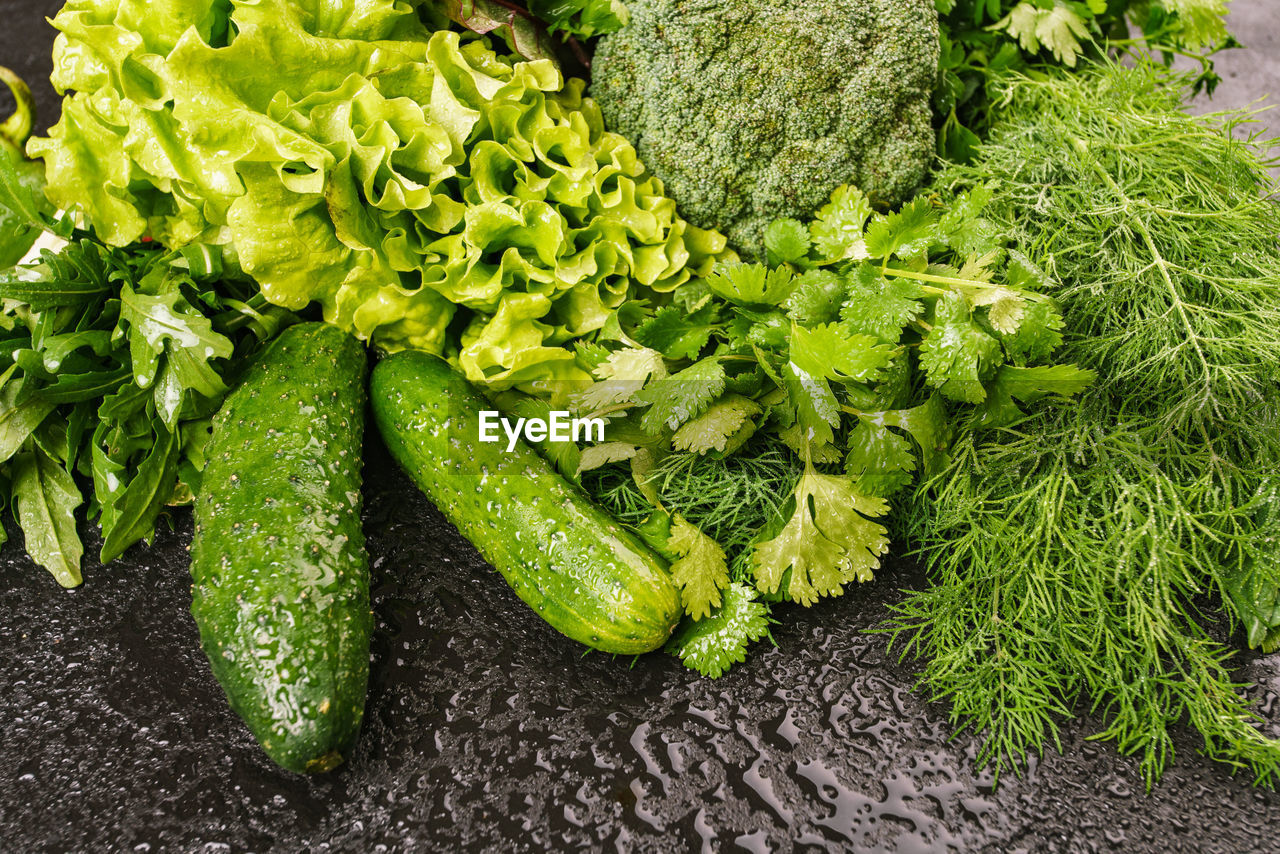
x,y
487,731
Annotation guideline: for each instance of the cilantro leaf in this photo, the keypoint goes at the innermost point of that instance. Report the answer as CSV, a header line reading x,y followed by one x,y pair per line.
x,y
827,542
1037,335
957,355
880,461
1028,385
751,284
814,405
623,374
596,456
724,423
678,334
817,298
786,240
717,642
700,571
684,395
837,228
963,227
927,424
907,233
880,307
832,351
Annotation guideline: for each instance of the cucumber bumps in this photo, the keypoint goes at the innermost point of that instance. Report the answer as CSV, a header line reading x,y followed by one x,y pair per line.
x,y
561,554
281,593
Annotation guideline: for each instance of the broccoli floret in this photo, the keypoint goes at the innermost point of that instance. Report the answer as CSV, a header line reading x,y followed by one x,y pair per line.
x,y
753,109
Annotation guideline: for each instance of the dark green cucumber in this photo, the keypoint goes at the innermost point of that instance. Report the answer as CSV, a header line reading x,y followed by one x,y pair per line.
x,y
576,567
281,593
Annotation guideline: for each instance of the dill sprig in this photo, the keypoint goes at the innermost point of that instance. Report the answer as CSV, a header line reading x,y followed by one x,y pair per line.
x,y
729,499
1073,553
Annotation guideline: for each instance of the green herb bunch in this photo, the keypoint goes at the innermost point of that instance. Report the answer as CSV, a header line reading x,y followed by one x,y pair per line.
x,y
112,362
984,40
1085,554
859,351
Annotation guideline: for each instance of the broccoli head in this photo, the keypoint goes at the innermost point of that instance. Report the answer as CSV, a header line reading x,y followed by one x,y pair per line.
x,y
753,109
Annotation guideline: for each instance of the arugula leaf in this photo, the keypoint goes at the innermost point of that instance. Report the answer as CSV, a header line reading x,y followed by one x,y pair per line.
x,y
827,542
958,356
165,324
725,420
717,642
684,395
18,420
46,497
751,284
701,570
129,513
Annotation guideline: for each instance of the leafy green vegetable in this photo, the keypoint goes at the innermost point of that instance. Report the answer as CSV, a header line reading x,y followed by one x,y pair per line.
x,y
1084,554
582,18
700,569
425,190
114,361
835,356
21,181
714,644
985,40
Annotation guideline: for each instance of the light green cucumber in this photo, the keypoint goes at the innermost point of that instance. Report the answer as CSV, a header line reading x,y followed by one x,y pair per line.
x,y
281,592
575,566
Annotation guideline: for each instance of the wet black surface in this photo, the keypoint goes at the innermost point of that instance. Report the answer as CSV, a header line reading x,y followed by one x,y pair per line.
x,y
485,730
